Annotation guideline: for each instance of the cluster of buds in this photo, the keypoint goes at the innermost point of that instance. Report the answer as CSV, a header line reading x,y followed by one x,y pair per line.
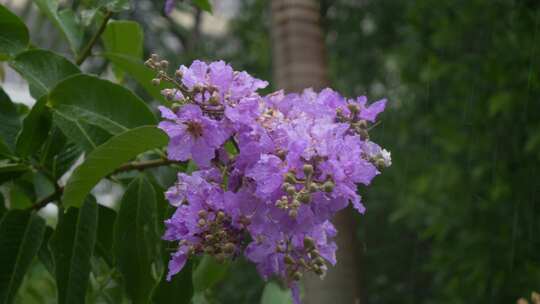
x,y
357,125
217,237
295,197
309,260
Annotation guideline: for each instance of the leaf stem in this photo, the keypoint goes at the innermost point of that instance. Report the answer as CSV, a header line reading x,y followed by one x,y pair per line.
x,y
140,165
88,48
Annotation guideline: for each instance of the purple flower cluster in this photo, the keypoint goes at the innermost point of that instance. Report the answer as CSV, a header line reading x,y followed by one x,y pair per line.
x,y
273,170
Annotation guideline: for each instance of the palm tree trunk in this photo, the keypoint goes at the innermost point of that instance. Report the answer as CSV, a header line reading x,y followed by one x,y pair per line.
x,y
299,61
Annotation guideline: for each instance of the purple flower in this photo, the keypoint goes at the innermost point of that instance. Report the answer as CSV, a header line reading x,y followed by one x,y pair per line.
x,y
299,159
192,135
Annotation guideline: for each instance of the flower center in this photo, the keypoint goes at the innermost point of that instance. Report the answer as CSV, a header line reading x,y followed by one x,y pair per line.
x,y
194,128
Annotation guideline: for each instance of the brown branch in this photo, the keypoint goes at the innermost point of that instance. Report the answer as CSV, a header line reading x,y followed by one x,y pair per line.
x,y
88,48
141,165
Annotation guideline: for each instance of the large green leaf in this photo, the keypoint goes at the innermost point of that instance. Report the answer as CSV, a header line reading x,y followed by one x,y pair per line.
x,y
72,246
136,239
13,33
104,242
43,70
65,20
21,234
208,273
45,255
101,103
36,126
85,135
273,294
10,123
135,68
123,37
109,156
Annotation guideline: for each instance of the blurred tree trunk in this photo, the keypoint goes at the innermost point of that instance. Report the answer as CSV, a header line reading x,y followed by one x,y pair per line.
x,y
299,61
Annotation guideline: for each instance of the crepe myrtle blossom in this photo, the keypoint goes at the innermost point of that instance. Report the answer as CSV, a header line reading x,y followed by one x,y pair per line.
x,y
273,169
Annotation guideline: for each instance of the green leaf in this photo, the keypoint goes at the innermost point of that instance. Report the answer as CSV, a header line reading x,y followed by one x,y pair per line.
x,y
65,20
136,239
135,68
2,205
10,170
123,37
205,5
45,255
208,273
273,293
104,242
21,234
180,288
36,126
10,123
101,103
109,156
72,246
87,136
14,34
58,154
43,70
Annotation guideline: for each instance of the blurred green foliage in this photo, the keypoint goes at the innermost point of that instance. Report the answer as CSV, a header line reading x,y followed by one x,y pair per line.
x,y
456,218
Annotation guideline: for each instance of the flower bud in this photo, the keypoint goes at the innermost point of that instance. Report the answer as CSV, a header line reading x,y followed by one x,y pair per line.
x,y
220,216
353,108
328,186
293,213
291,190
304,197
156,81
228,248
290,178
202,213
308,169
164,64
297,276
309,243
154,57
201,222
288,260
178,73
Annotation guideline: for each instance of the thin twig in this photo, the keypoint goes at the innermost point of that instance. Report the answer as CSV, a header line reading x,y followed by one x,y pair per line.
x,y
88,48
141,165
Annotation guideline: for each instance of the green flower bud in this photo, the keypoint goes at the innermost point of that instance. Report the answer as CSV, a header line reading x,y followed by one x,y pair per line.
x,y
288,260
156,81
304,197
290,178
293,213
308,169
228,248
297,276
291,190
309,243
328,186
